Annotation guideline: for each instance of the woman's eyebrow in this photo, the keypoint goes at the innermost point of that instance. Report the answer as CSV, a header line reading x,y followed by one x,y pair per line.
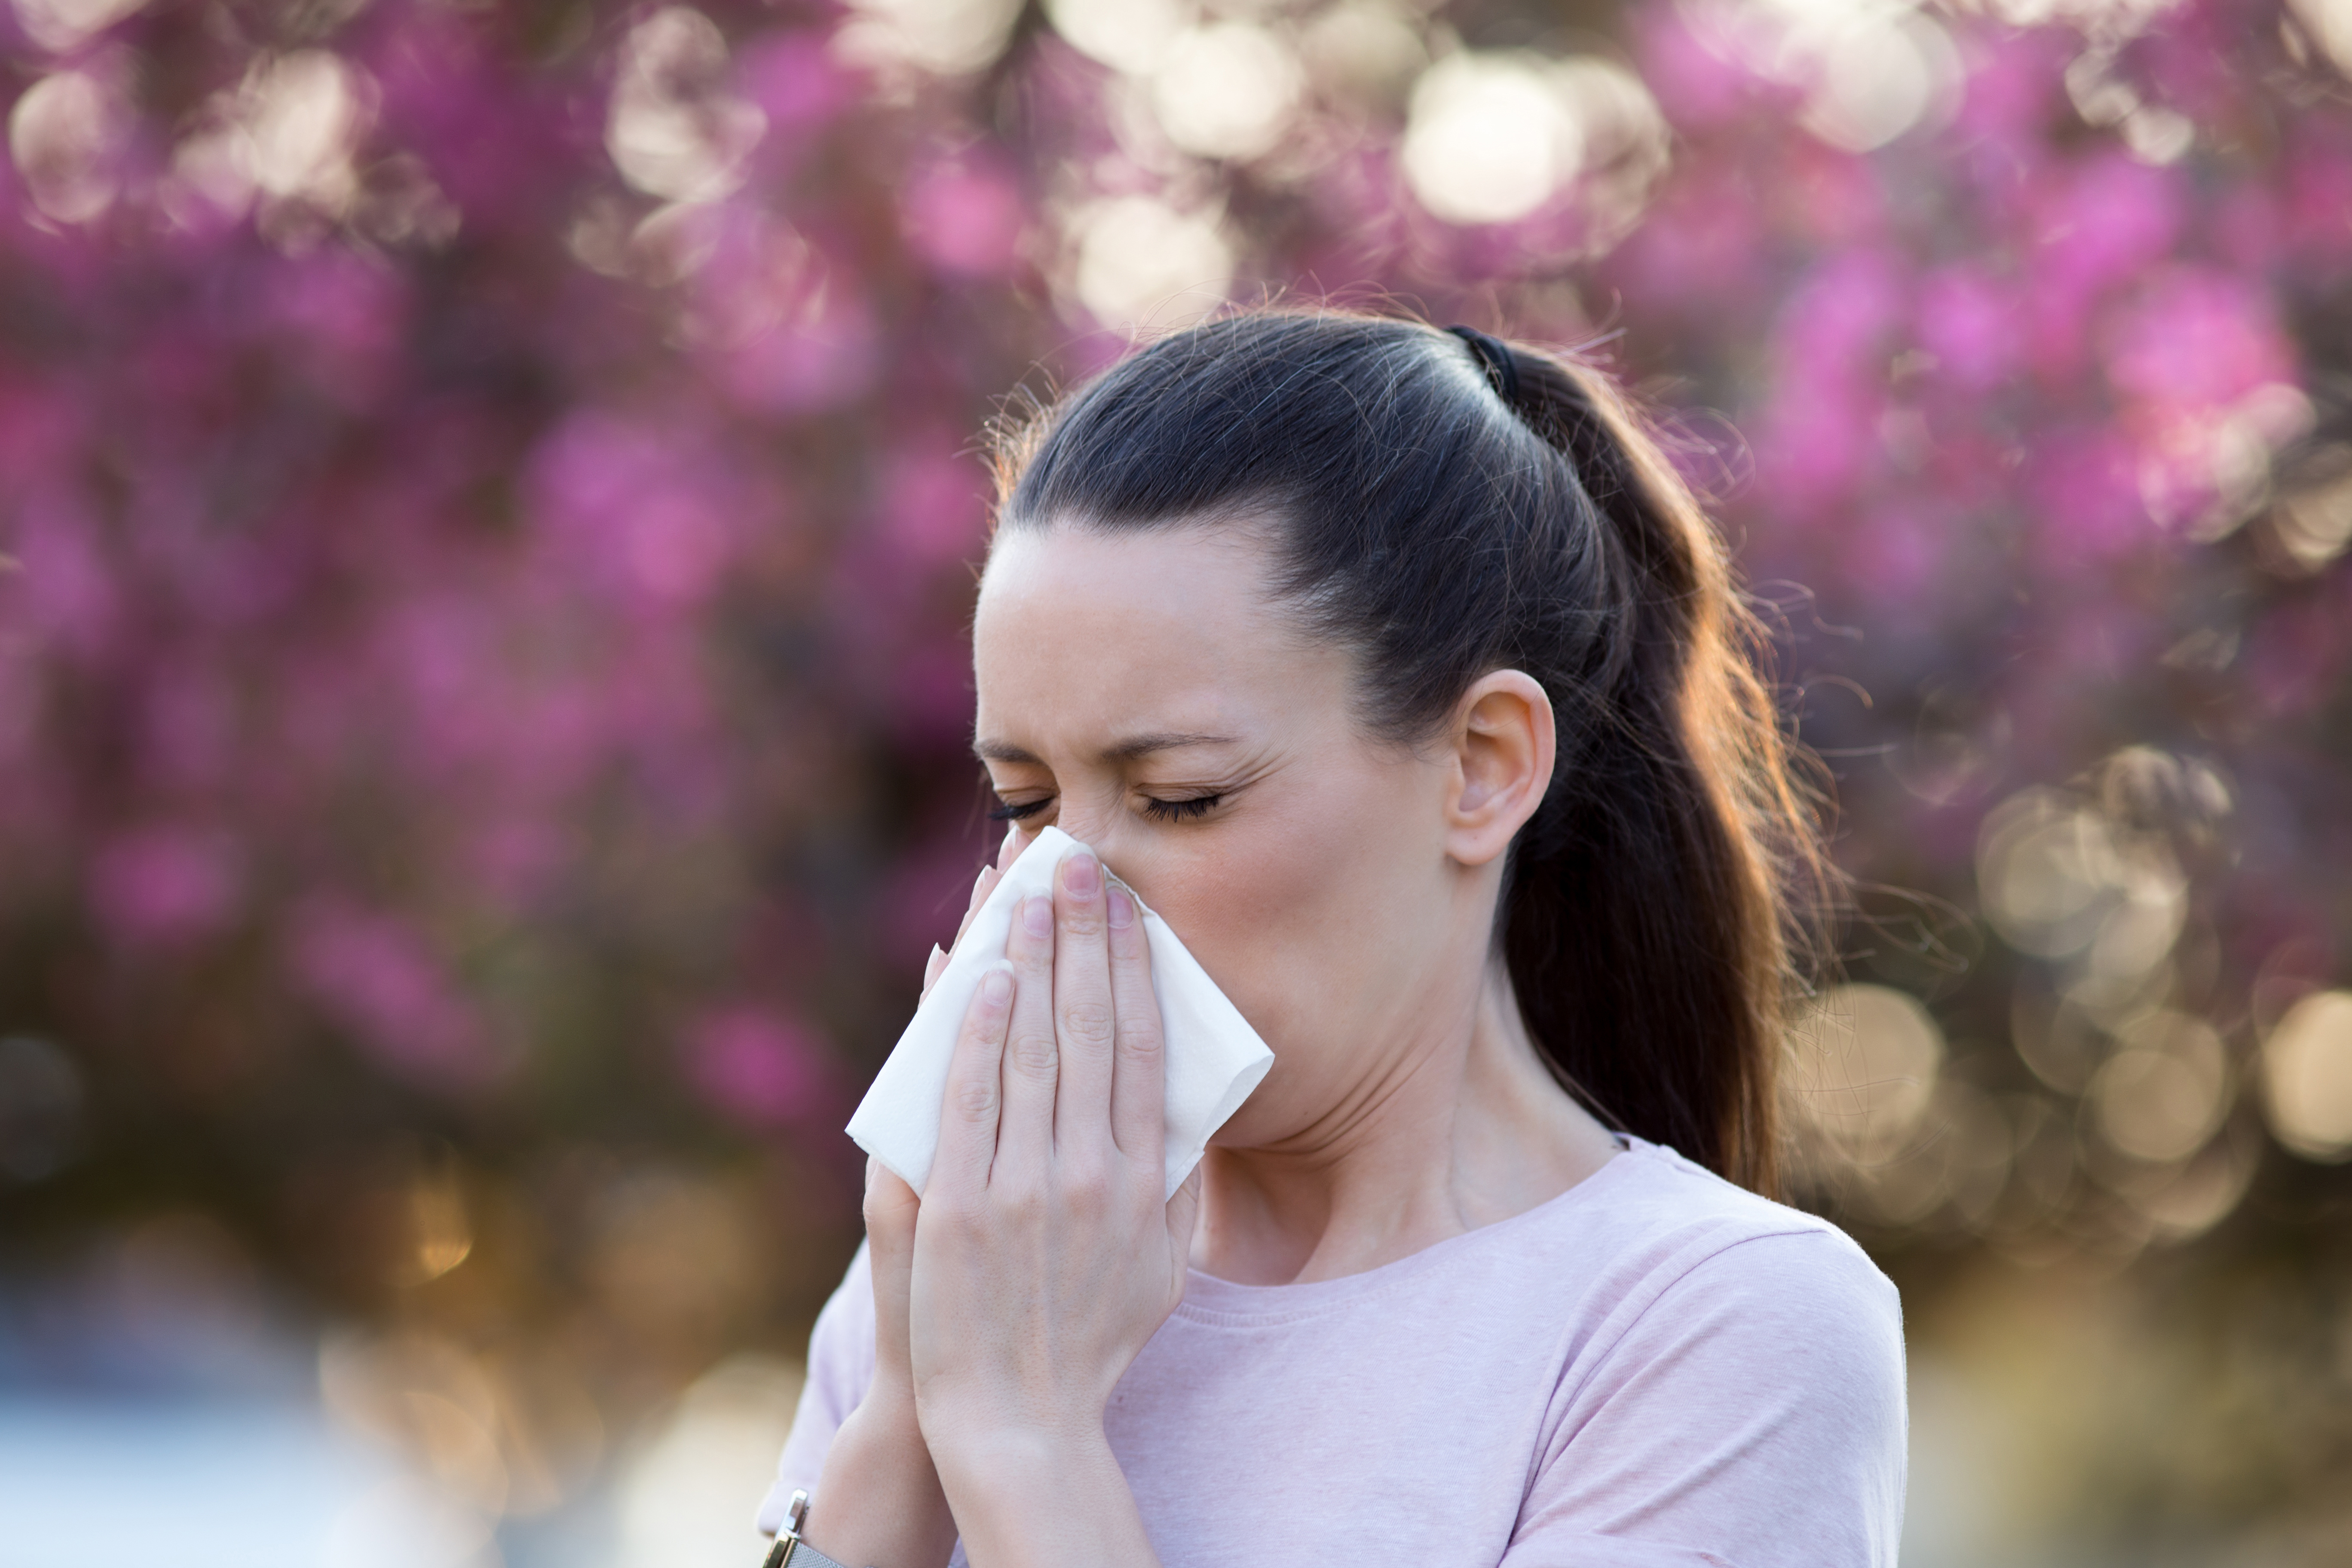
x,y
1125,750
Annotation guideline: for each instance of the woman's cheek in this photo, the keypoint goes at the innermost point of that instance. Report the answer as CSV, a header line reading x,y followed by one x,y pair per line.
x,y
1251,912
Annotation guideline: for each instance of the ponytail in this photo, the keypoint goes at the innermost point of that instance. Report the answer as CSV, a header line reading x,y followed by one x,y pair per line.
x,y
1669,888
1451,505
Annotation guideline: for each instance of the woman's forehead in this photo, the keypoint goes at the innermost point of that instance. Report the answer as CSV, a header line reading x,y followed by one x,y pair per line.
x,y
1091,638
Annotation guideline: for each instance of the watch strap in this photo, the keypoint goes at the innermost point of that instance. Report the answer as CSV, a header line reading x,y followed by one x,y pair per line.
x,y
790,1550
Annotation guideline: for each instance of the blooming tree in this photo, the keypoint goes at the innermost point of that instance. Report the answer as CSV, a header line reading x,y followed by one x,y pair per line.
x,y
489,495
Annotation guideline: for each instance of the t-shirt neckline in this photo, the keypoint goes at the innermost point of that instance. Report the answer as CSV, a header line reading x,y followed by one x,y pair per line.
x,y
1210,1299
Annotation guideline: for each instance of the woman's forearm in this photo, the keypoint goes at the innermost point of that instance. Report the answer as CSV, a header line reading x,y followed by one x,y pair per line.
x,y
1025,1500
878,1502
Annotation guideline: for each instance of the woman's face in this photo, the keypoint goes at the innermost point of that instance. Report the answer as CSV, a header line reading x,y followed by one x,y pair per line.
x,y
1138,690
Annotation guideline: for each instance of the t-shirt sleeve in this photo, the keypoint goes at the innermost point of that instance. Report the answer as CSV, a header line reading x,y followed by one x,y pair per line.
x,y
1751,1415
840,1367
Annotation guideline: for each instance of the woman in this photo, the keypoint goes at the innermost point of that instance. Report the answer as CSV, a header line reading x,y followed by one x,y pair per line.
x,y
1396,669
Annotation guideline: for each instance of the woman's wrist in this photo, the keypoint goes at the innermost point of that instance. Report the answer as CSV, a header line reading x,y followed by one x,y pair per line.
x,y
878,1501
1040,1496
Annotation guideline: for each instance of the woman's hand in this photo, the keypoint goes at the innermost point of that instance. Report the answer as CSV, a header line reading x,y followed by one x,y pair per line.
x,y
881,1501
1046,1253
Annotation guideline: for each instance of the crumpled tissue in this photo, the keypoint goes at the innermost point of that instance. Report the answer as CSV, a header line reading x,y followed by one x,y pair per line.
x,y
1213,1057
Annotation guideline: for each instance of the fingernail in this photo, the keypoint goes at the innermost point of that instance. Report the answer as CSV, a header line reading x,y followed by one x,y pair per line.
x,y
996,986
1122,909
936,954
1037,916
1083,875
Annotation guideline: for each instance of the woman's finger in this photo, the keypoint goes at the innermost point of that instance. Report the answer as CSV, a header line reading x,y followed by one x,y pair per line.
x,y
1140,1071
989,877
889,1208
981,887
1082,1004
970,1115
1024,1139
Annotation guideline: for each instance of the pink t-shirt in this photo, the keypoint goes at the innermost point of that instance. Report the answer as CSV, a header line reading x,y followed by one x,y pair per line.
x,y
1655,1368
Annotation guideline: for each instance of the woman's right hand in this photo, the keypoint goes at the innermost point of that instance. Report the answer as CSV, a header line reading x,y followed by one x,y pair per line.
x,y
879,1499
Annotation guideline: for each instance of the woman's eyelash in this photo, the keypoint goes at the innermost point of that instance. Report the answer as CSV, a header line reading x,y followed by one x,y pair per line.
x,y
1181,810
1159,810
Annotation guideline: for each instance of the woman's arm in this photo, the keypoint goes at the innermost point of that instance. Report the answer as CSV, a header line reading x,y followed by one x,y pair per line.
x,y
878,1497
879,1500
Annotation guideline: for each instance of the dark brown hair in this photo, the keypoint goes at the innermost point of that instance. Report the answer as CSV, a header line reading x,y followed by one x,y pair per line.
x,y
1657,918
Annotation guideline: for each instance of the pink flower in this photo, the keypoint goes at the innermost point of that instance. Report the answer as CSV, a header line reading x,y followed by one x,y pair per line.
x,y
759,1070
72,593
2198,339
796,81
638,511
1971,325
964,216
1698,82
826,356
934,504
165,884
375,975
2083,489
2101,220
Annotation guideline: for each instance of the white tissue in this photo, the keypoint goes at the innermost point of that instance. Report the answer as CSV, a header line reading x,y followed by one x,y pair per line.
x,y
1213,1057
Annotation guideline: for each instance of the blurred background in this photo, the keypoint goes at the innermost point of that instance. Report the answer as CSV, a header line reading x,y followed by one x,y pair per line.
x,y
488,498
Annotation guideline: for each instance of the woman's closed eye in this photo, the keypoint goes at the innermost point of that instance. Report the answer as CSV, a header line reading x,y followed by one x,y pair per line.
x,y
1187,808
1190,809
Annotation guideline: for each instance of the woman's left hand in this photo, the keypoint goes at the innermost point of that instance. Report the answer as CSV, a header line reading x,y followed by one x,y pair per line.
x,y
1045,1254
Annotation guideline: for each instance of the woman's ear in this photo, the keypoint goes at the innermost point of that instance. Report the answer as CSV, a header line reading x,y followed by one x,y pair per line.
x,y
1503,743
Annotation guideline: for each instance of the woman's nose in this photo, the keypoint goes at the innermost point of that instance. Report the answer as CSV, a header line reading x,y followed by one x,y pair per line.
x,y
1088,827
1100,829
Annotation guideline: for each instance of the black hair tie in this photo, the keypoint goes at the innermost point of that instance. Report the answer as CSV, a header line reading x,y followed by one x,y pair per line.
x,y
1496,358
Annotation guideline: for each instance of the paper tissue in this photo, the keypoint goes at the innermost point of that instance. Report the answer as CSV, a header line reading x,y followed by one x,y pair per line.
x,y
1213,1057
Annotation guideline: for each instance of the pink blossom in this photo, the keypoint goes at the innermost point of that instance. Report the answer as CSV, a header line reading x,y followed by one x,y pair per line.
x,y
68,588
632,510
1835,329
2316,198
1899,552
2013,86
934,501
1703,238
165,884
1696,80
2083,487
964,217
191,727
758,1068
2194,338
376,977
826,356
2102,218
797,81
1971,325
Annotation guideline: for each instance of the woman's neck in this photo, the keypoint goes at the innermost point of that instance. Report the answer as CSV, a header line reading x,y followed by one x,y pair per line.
x,y
1461,1127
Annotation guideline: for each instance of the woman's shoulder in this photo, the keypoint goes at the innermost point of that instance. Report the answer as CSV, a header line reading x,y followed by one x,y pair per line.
x,y
1736,1379
1658,1230
1666,1186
